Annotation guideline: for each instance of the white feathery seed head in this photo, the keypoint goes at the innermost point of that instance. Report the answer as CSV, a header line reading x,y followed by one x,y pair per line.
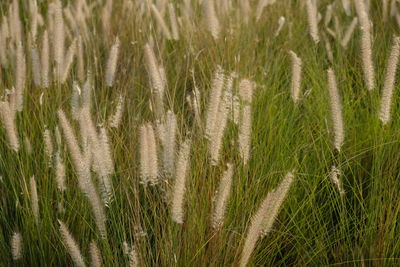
x,y
214,100
366,44
112,63
245,93
81,164
221,198
80,60
245,133
36,69
98,154
156,80
312,15
278,196
86,98
133,258
125,247
60,173
366,53
58,37
15,23
217,135
144,155
33,9
211,20
296,76
107,153
161,131
16,246
265,216
72,247
235,109
362,14
179,187
336,110
152,155
48,144
390,77
44,60
34,199
163,75
72,142
95,255
20,77
7,115
246,90
115,120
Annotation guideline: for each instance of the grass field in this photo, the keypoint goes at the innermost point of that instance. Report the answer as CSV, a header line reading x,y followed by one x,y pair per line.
x,y
199,133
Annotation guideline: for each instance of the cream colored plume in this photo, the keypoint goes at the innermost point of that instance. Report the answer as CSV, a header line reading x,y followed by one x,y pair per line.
x,y
58,38
20,78
16,246
7,114
222,196
296,76
44,60
34,198
245,93
312,15
71,245
148,155
217,86
179,188
60,173
156,81
35,60
115,120
265,216
366,44
211,21
112,63
221,121
95,255
81,164
390,77
336,110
